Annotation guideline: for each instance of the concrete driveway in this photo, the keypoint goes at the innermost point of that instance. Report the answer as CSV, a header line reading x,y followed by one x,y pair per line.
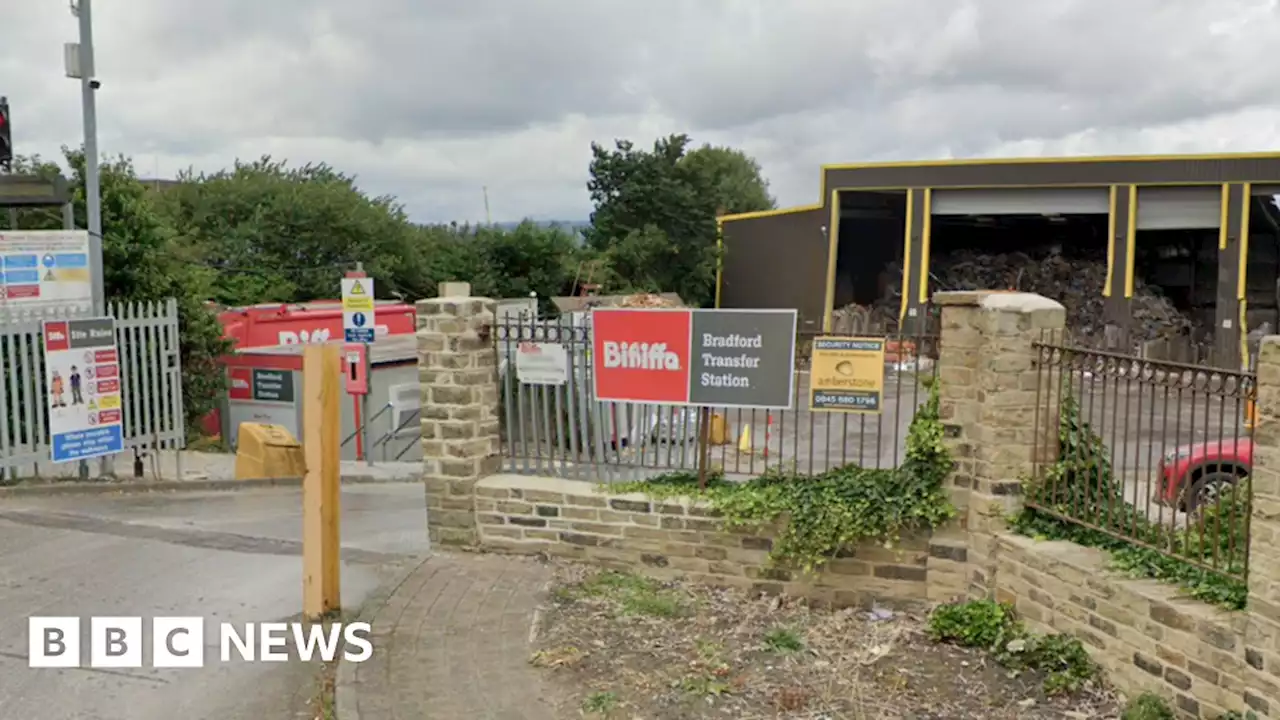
x,y
231,556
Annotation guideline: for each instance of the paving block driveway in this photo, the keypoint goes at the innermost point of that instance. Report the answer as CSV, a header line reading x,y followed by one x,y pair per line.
x,y
452,642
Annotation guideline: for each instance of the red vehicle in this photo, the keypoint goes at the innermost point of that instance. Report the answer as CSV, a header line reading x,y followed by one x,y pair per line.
x,y
1195,475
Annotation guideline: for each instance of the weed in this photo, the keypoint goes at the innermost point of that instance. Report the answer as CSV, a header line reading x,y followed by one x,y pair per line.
x,y
791,699
1147,706
972,624
601,702
708,672
1235,715
995,628
783,640
634,594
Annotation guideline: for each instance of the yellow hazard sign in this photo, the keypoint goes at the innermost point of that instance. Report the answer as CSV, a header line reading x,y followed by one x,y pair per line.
x,y
357,295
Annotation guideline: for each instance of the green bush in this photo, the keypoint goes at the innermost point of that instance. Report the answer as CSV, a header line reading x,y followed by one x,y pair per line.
x,y
994,627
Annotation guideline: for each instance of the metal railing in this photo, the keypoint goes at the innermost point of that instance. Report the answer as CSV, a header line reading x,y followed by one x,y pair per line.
x,y
562,430
1148,452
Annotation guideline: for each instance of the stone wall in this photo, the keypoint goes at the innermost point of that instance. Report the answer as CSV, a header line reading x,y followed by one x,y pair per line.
x,y
570,519
1147,635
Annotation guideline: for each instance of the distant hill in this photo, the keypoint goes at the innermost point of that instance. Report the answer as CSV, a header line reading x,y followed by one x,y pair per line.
x,y
576,225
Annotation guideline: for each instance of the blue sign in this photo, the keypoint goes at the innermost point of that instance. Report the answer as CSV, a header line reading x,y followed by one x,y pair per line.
x,y
358,335
91,443
358,319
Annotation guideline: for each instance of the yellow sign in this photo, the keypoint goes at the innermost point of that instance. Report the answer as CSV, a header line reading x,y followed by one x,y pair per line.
x,y
846,374
357,295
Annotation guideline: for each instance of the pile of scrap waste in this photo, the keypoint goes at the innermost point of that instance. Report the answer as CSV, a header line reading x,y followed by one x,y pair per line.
x,y
649,300
1076,282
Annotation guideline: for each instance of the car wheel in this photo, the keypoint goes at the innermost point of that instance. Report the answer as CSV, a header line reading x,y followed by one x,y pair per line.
x,y
1206,491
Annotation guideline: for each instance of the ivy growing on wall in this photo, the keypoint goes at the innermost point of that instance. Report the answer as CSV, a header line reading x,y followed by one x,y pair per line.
x,y
816,516
1083,484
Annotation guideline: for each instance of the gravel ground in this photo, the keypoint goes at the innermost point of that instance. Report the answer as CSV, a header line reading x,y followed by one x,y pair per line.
x,y
625,647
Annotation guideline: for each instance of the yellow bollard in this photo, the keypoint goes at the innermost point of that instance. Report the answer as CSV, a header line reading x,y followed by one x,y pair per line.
x,y
321,486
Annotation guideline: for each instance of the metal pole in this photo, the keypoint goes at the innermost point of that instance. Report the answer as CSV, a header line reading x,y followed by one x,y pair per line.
x,y
364,399
93,200
364,414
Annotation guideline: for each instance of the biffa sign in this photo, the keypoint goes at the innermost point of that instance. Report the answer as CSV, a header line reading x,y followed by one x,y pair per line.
x,y
724,358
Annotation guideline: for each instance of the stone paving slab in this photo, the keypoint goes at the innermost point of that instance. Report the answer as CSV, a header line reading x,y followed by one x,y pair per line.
x,y
452,642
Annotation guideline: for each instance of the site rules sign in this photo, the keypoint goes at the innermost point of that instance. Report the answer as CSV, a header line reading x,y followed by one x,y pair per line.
x,y
721,358
357,310
846,374
82,374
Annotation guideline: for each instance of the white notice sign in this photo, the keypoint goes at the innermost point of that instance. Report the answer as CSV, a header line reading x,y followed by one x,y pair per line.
x,y
45,273
540,363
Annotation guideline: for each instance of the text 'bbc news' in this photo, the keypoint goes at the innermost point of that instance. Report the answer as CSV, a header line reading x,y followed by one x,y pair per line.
x,y
179,642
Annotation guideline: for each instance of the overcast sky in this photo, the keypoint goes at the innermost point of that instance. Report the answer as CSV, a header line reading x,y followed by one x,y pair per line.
x,y
431,101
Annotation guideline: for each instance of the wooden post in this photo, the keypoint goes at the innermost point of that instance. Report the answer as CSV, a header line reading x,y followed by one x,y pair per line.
x,y
321,488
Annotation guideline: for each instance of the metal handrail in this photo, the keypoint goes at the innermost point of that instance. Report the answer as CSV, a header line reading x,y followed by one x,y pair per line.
x,y
361,428
392,434
408,446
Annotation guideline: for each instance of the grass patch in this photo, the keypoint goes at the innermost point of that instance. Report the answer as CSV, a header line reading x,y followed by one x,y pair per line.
x,y
634,594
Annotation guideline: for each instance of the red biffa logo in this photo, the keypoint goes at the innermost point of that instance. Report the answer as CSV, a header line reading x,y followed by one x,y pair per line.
x,y
641,355
56,337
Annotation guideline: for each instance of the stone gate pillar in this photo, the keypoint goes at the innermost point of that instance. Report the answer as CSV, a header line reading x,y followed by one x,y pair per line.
x,y
458,372
988,375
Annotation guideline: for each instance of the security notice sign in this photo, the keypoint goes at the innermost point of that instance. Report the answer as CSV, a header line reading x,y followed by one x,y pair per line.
x,y
82,374
357,310
847,375
723,358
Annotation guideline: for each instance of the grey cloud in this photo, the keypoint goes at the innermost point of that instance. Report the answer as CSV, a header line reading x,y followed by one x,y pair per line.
x,y
432,100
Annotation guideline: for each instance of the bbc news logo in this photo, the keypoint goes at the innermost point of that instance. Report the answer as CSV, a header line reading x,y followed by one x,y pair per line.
x,y
179,642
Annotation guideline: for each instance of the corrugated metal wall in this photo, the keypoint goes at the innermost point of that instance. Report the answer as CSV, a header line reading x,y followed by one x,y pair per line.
x,y
777,261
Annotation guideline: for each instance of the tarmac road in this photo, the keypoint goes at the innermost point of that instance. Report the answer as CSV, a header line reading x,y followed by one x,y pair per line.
x,y
226,556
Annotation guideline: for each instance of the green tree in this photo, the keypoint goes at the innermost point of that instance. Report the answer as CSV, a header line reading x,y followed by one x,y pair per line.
x,y
655,211
142,262
276,233
733,178
526,259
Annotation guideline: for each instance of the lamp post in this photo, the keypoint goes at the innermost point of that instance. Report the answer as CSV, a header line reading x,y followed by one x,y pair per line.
x,y
79,66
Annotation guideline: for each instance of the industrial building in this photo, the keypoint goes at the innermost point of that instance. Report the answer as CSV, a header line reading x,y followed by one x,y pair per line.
x,y
1204,229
